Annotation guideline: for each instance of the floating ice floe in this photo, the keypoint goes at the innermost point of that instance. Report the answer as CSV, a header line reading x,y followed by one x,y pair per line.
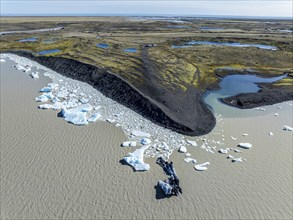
x,y
110,120
237,151
244,135
187,155
55,106
230,157
50,87
233,138
35,75
201,167
2,60
77,115
260,109
237,160
182,149
45,97
276,114
140,134
188,159
287,128
128,144
245,145
271,133
223,151
84,100
94,117
192,143
145,141
135,159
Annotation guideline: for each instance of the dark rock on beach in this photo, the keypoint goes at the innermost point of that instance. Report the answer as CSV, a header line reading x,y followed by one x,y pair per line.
x,y
184,113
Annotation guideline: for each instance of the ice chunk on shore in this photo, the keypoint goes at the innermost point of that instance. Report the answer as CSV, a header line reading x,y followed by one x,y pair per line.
x,y
135,159
77,115
128,144
192,143
201,167
223,151
140,134
94,117
44,97
35,75
287,128
245,145
182,149
145,141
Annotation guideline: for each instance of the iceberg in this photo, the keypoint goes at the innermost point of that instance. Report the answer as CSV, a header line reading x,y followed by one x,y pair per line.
x,y
128,144
2,60
192,143
35,75
287,128
45,97
145,141
141,134
77,115
182,149
237,160
135,159
165,187
50,87
94,117
201,167
245,145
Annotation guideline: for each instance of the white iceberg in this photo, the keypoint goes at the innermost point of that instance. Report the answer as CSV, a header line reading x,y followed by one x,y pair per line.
x,y
223,151
287,128
140,134
77,115
35,75
182,149
135,159
45,97
192,143
110,120
245,145
128,144
188,159
2,60
237,160
187,155
94,117
271,133
84,100
201,167
145,141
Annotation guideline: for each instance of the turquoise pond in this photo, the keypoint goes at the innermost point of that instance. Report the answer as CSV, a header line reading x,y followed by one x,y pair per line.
x,y
103,46
130,50
31,39
234,44
233,85
44,52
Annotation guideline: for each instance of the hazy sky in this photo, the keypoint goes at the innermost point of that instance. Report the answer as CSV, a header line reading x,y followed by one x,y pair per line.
x,y
273,8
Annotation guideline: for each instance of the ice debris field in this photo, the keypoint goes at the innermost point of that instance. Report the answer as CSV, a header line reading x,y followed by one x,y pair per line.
x,y
80,104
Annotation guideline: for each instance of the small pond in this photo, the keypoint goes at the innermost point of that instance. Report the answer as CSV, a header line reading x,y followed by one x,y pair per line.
x,y
234,44
104,46
44,52
234,85
31,39
130,50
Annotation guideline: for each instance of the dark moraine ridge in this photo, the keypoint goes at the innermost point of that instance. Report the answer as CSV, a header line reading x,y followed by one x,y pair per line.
x,y
192,118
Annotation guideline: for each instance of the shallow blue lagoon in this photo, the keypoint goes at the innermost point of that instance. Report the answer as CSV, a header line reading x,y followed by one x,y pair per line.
x,y
44,52
130,50
31,39
104,46
234,85
261,46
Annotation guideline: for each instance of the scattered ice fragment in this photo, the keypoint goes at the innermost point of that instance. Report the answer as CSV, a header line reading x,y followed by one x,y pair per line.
x,y
35,75
245,145
201,167
287,128
44,97
187,154
230,157
129,144
237,151
165,187
84,100
276,114
233,138
271,133
192,143
140,134
237,160
279,107
223,151
94,117
245,135
188,159
182,149
135,159
77,115
110,120
145,141
2,60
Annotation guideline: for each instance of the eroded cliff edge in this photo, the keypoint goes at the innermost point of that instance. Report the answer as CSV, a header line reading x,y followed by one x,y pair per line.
x,y
184,113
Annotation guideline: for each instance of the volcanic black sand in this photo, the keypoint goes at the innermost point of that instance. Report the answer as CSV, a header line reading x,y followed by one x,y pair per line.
x,y
181,112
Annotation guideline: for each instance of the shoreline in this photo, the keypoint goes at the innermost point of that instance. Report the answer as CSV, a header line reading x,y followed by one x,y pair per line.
x,y
52,169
